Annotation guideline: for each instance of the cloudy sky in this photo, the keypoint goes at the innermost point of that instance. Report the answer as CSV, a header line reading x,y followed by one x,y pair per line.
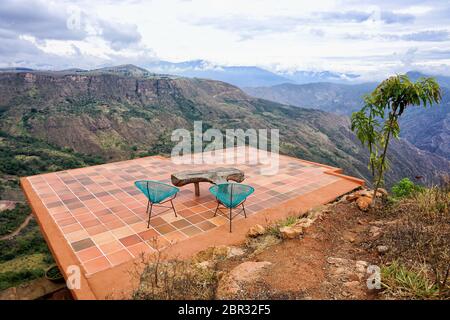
x,y
372,38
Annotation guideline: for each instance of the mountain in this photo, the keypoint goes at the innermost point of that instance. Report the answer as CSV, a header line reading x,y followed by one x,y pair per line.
x,y
239,76
428,129
331,97
50,120
303,77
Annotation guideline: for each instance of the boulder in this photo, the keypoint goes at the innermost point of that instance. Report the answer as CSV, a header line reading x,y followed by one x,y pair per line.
x,y
291,232
363,203
256,231
230,284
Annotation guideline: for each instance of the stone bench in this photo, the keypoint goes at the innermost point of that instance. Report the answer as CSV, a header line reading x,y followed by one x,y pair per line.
x,y
214,176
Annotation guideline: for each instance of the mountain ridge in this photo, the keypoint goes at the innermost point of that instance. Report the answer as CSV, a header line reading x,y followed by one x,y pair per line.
x,y
118,117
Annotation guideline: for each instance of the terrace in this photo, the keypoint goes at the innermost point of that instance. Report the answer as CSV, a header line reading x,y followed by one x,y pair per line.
x,y
95,217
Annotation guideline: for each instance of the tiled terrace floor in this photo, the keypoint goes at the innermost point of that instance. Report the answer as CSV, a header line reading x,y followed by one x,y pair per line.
x,y
102,214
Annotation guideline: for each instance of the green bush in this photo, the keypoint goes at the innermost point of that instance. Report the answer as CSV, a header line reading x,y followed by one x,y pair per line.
x,y
10,220
404,188
14,278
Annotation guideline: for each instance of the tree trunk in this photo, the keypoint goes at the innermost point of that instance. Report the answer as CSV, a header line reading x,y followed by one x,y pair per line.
x,y
383,159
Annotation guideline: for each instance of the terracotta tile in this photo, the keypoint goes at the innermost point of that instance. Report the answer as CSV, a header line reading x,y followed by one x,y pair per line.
x,y
158,243
119,257
122,232
175,236
182,223
90,223
139,227
96,230
132,219
191,231
113,225
195,219
165,228
130,240
66,222
111,247
102,238
148,234
77,235
89,254
198,209
206,225
138,249
219,220
96,265
208,214
186,213
156,221
82,244
71,228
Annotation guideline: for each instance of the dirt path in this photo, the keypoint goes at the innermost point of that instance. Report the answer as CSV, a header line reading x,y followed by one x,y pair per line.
x,y
329,262
17,231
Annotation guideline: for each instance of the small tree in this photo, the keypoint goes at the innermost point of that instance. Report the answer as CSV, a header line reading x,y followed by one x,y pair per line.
x,y
377,121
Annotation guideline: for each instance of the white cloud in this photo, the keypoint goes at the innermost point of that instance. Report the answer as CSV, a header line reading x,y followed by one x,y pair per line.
x,y
371,37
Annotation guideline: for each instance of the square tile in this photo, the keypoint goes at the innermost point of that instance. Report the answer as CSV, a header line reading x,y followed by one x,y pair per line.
x,y
119,257
130,240
82,244
165,228
97,265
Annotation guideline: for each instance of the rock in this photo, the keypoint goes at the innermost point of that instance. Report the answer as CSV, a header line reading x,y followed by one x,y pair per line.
x,y
212,254
382,249
364,203
291,232
349,236
375,231
352,197
382,192
235,252
304,222
256,231
365,193
230,284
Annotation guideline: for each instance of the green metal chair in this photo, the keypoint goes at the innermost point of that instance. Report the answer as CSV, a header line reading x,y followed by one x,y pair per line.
x,y
157,194
230,196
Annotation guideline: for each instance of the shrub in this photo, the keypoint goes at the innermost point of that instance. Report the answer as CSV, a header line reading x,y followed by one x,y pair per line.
x,y
404,188
174,280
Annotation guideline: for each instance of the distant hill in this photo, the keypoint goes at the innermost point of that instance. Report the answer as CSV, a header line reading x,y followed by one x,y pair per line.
x,y
238,76
106,114
428,129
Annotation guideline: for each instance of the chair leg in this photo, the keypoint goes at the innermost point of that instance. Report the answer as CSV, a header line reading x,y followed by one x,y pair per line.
x,y
173,207
230,220
243,208
150,215
148,204
217,208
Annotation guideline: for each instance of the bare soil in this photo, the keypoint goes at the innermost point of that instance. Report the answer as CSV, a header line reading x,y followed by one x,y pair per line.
x,y
301,269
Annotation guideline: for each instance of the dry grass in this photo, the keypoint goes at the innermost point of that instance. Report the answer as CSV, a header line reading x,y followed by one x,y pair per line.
x,y
174,279
420,240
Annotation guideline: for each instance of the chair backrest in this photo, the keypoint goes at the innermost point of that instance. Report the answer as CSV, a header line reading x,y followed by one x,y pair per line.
x,y
155,191
231,194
